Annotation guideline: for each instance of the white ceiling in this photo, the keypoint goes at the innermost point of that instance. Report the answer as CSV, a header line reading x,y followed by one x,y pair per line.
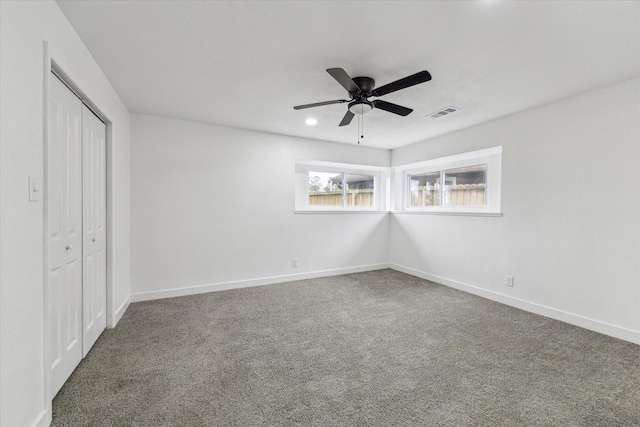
x,y
246,64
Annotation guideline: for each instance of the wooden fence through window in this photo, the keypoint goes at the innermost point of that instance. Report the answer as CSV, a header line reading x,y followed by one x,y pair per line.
x,y
455,195
428,195
362,197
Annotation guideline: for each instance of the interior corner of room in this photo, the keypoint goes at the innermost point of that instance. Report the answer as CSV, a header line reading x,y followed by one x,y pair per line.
x,y
162,201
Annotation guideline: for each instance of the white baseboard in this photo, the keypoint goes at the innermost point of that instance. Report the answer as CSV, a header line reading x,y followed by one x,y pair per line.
x,y
42,420
120,311
201,289
553,313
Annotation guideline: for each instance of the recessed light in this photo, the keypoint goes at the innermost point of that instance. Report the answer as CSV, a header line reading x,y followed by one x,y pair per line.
x,y
311,122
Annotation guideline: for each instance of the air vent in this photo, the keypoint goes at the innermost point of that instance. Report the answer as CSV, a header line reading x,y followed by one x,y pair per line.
x,y
444,112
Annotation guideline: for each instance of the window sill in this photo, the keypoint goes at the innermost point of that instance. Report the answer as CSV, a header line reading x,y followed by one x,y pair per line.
x,y
336,211
339,211
454,213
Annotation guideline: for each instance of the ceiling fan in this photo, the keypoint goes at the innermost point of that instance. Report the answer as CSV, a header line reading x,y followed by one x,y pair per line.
x,y
361,88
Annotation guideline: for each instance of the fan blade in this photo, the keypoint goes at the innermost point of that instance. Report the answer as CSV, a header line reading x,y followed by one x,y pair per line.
x,y
347,118
318,104
414,79
343,78
392,108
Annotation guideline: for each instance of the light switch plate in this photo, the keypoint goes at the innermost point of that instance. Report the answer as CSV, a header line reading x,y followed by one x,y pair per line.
x,y
35,188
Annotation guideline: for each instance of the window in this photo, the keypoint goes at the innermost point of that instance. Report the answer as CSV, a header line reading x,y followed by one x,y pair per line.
x,y
342,189
464,186
424,189
359,190
325,189
339,187
464,183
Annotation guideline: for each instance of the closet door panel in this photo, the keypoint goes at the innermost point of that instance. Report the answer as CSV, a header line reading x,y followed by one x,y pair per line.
x,y
64,205
94,232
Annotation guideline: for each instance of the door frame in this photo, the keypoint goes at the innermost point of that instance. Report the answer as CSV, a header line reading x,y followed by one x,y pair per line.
x,y
51,64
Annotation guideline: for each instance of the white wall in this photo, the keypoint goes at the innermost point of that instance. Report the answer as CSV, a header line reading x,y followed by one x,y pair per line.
x,y
24,27
213,205
570,233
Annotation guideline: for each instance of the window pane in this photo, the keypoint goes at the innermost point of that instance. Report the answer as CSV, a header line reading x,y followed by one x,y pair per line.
x,y
325,189
360,191
465,186
425,189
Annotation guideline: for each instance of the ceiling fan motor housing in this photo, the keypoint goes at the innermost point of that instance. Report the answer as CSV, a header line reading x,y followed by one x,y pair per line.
x,y
366,85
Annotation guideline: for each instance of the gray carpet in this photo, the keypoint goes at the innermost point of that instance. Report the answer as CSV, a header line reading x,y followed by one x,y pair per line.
x,y
369,349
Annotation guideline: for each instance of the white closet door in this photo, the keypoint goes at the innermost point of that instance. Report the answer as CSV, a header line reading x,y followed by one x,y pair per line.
x,y
94,233
64,202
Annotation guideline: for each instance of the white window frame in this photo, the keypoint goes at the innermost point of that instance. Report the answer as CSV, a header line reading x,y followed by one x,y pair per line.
x,y
492,157
380,186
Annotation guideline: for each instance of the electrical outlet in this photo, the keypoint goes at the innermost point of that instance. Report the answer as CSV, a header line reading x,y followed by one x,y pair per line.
x,y
295,262
508,281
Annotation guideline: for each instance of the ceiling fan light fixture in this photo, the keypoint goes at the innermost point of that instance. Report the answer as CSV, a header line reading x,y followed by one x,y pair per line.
x,y
360,107
311,121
